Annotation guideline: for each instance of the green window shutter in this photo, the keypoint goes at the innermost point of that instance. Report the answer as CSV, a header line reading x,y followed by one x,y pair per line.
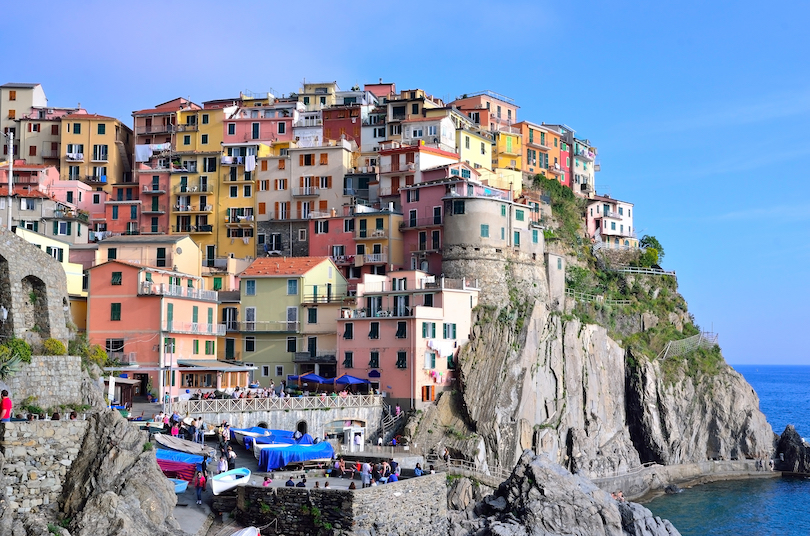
x,y
433,330
49,250
217,283
148,276
454,332
69,231
424,330
169,312
115,311
210,315
36,226
55,228
61,255
196,346
194,313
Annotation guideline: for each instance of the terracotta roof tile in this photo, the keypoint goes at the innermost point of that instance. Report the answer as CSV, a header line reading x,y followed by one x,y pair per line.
x,y
88,116
282,266
20,192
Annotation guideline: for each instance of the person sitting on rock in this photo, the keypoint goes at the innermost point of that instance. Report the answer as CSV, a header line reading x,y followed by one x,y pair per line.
x,y
302,483
289,483
417,471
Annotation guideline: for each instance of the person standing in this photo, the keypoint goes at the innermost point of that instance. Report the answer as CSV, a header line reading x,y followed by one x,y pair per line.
x,y
199,485
365,474
231,459
6,407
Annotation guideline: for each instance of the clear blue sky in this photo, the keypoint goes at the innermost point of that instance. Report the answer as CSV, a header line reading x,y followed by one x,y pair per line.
x,y
699,109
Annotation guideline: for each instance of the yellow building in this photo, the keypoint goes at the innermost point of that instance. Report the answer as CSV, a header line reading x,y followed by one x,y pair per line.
x,y
474,147
319,95
195,191
503,178
237,206
507,149
95,149
378,241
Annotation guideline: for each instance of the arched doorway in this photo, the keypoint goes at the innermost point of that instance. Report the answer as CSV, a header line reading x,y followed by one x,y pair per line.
x,y
34,307
301,427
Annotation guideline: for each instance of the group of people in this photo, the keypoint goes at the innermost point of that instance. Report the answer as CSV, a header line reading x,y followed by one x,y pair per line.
x,y
7,412
370,475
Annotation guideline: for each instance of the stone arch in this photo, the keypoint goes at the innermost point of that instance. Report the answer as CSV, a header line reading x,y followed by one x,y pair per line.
x,y
7,317
262,425
35,315
301,427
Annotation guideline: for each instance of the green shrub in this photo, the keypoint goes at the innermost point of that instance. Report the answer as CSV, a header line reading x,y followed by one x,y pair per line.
x,y
20,348
54,347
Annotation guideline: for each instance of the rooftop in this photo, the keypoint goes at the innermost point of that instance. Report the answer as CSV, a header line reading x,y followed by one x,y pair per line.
x,y
19,85
282,266
144,239
88,116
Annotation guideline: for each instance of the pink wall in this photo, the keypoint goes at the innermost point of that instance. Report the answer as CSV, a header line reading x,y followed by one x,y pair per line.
x,y
429,197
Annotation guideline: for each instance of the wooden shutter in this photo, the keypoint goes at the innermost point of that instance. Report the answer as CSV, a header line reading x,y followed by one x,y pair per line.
x,y
394,184
278,214
329,182
324,158
262,208
275,185
282,164
264,165
29,127
322,205
301,159
298,208
301,182
69,228
409,180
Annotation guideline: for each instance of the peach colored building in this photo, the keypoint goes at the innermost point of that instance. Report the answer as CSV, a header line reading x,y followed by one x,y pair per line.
x,y
405,334
161,326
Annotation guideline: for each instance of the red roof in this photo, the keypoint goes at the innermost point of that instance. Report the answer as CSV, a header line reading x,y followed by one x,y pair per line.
x,y
20,192
282,266
88,116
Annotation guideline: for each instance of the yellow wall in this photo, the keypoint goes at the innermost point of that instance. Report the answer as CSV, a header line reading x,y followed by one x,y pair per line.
x,y
473,155
89,136
508,147
504,178
73,271
188,261
390,239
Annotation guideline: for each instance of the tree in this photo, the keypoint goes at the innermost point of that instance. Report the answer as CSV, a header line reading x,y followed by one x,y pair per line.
x,y
650,242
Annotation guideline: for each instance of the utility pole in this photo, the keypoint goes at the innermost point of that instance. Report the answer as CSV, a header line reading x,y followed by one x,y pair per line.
x,y
10,137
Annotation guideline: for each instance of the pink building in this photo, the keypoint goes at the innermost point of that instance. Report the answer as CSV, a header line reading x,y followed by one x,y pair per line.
x,y
30,176
270,123
610,221
403,165
161,326
405,334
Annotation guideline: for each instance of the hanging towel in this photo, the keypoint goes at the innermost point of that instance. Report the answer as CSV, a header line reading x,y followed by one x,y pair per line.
x,y
143,153
227,159
250,162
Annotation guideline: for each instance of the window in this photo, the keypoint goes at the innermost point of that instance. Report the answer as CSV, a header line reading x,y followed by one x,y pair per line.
x,y
196,349
517,238
449,331
503,233
348,331
312,315
133,212
234,191
374,332
306,100
306,159
348,226
116,278
621,210
115,311
112,254
210,347
484,230
204,139
429,329
250,287
265,371
348,359
250,344
613,226
374,360
402,331
281,184
324,159
291,345
519,215
292,287
321,226
77,127
302,235
187,139
416,133
247,191
12,95
32,150
231,129
279,370
458,207
535,236
428,300
282,128
402,360
430,360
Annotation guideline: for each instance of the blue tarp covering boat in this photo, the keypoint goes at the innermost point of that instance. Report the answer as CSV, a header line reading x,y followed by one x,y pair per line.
x,y
177,456
273,458
276,436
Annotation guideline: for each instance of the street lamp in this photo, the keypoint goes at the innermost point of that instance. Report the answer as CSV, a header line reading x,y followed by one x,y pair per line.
x,y
10,137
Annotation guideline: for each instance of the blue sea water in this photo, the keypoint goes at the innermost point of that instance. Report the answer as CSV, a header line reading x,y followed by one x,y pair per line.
x,y
752,507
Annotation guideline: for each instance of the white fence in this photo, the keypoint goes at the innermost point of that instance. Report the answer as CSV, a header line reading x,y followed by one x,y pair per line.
x,y
235,405
684,346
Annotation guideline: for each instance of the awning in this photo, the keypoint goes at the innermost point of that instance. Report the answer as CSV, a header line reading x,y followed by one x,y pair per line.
x,y
126,381
211,364
350,380
314,378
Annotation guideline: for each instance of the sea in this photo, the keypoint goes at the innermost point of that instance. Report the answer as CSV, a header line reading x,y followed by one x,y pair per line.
x,y
753,507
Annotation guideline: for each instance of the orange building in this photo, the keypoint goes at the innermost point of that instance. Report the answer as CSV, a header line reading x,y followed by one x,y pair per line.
x,y
161,326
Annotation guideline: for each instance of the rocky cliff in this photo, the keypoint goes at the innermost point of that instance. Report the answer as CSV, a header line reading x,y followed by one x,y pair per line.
x,y
792,453
541,498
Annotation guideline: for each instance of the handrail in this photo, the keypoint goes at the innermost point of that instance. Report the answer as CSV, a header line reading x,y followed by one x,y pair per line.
x,y
233,405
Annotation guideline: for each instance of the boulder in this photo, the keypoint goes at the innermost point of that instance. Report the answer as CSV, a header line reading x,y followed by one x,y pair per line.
x,y
792,453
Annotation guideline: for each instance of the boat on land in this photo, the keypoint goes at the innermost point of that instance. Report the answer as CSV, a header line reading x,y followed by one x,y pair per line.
x,y
181,445
179,484
253,432
230,479
250,531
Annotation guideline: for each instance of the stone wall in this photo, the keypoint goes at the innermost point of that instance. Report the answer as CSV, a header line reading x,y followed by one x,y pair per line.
x,y
37,455
415,506
33,289
51,379
288,229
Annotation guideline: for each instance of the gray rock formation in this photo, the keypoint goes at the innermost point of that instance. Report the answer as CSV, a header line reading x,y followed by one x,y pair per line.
x,y
792,453
541,498
683,419
115,487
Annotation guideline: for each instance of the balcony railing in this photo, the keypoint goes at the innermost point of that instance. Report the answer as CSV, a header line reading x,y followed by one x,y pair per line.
x,y
370,233
356,192
585,155
50,153
233,405
375,258
193,229
187,128
153,189
305,191
154,129
97,179
74,157
413,223
367,312
610,214
321,298
308,123
149,209
268,326
429,282
307,357
194,327
147,288
201,187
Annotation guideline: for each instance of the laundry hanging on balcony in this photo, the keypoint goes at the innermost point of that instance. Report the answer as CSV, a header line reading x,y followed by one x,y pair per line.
x,y
250,162
143,153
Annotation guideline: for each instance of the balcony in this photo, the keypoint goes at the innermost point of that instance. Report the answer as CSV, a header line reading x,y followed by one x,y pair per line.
x,y
426,247
326,358
74,157
610,214
194,328
188,168
366,312
323,299
154,129
585,155
148,288
193,208
187,128
90,179
585,187
200,187
539,144
308,123
356,192
153,189
375,258
239,221
193,229
305,191
416,223
50,153
343,260
71,215
150,209
555,169
154,229
362,234
269,326
100,158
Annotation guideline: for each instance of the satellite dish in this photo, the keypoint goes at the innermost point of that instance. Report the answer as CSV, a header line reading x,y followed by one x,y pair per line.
x,y
179,251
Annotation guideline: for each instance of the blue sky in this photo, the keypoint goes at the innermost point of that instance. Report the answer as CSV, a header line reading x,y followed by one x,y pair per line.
x,y
699,110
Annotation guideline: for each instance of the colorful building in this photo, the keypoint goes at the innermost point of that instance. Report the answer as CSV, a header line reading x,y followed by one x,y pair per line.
x,y
610,221
405,333
161,326
287,317
403,165
16,100
35,211
40,134
96,150
491,111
